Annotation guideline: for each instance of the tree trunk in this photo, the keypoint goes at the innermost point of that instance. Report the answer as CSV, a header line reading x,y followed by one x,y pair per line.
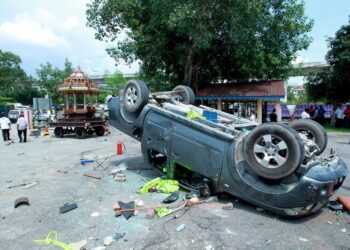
x,y
189,68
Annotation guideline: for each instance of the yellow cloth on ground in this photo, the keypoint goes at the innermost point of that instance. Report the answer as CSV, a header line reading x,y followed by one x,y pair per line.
x,y
165,186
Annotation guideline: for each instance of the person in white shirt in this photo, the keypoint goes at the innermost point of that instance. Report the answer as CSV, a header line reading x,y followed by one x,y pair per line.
x,y
339,117
252,116
22,125
305,114
5,125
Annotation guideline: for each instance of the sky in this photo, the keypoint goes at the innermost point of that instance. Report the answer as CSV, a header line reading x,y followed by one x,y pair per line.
x,y
41,31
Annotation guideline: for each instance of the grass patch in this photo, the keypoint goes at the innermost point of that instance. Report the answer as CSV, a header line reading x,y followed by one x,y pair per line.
x,y
330,128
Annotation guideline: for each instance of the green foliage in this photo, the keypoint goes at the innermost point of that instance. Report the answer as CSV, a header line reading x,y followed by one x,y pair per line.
x,y
333,84
197,41
10,70
114,82
50,77
296,98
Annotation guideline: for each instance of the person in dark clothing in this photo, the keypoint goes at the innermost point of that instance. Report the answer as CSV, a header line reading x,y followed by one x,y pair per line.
x,y
312,112
273,116
320,115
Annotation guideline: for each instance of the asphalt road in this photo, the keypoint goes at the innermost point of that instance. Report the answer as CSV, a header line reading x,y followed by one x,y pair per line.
x,y
207,226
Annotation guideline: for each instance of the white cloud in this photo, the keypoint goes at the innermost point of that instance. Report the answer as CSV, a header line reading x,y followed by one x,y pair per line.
x,y
71,23
31,32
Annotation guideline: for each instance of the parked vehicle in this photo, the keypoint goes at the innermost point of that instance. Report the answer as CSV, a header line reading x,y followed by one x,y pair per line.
x,y
275,166
13,115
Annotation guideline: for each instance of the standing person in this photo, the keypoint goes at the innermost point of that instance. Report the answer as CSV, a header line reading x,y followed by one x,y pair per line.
x,y
5,125
273,116
252,116
22,125
347,116
339,117
312,112
321,115
305,114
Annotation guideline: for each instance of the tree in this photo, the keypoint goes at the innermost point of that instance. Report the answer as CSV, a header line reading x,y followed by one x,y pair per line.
x,y
50,77
10,70
333,83
114,83
198,41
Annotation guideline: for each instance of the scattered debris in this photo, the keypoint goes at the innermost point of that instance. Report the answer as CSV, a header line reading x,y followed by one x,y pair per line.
x,y
92,176
303,239
344,230
129,209
32,184
68,207
259,209
18,185
180,227
108,240
163,211
120,177
329,222
209,247
62,171
139,203
171,198
20,154
95,214
345,201
119,169
150,213
21,201
228,206
335,206
83,162
117,209
100,248
78,245
118,236
10,142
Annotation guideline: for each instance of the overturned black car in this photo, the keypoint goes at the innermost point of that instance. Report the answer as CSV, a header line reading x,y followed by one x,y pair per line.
x,y
275,166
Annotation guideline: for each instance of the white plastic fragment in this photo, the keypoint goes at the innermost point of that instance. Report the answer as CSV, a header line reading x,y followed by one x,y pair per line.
x,y
343,230
108,240
180,227
303,239
95,214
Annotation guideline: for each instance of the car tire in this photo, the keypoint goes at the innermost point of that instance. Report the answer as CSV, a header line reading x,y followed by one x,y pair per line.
x,y
273,151
135,95
99,131
80,133
59,132
313,131
185,94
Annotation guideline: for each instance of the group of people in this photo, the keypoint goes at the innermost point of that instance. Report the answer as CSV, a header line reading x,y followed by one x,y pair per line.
x,y
315,113
342,117
22,126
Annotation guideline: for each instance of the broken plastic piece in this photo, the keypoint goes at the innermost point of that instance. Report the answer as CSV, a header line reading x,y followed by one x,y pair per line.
x,y
125,206
171,198
21,201
67,207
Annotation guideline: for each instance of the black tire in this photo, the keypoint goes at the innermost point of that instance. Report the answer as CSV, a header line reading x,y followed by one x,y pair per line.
x,y
80,133
273,151
313,131
59,132
185,94
99,131
135,95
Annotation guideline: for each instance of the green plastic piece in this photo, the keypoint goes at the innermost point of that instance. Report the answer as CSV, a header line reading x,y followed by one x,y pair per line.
x,y
165,186
161,212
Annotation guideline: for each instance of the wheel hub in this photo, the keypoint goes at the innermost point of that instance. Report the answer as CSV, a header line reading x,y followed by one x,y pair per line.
x,y
131,96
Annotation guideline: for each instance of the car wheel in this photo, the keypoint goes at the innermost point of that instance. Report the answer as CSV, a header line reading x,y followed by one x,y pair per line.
x,y
99,131
135,95
80,133
313,130
185,94
58,132
273,151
